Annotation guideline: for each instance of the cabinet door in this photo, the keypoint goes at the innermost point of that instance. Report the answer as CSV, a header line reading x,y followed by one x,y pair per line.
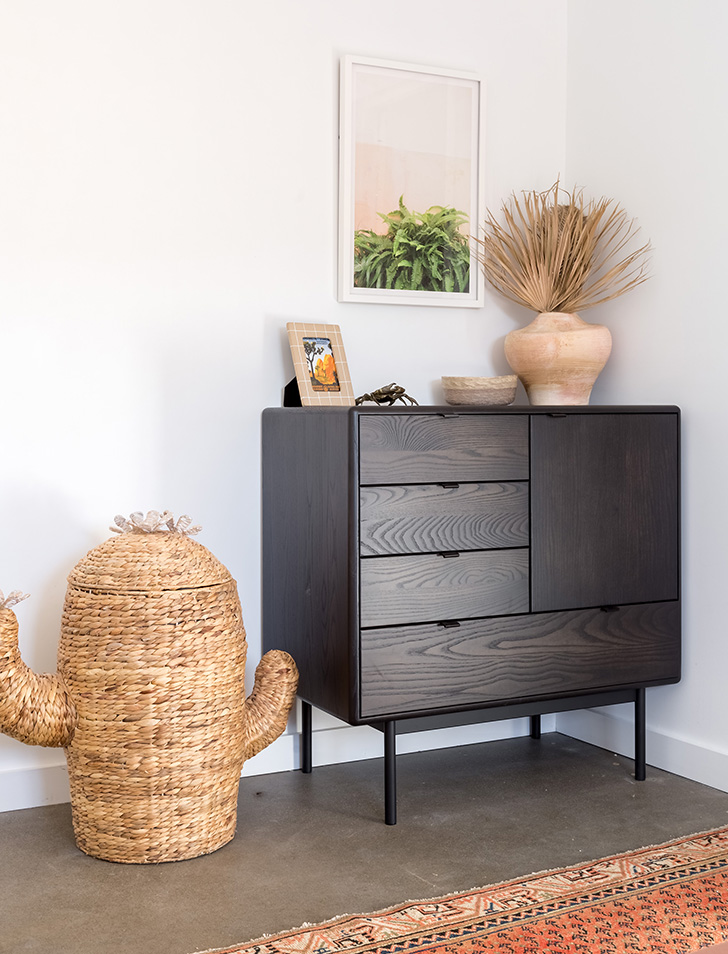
x,y
604,509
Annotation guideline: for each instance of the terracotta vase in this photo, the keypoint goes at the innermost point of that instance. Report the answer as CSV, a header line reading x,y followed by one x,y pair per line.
x,y
558,357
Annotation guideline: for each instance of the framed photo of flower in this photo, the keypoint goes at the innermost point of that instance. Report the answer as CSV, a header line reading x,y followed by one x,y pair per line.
x,y
319,361
410,184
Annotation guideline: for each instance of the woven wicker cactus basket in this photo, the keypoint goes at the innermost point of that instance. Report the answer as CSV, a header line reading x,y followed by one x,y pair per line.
x,y
149,699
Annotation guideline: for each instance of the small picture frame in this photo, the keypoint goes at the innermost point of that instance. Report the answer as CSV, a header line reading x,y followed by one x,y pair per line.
x,y
319,361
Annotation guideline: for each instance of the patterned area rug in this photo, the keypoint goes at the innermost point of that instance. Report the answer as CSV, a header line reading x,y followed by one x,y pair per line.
x,y
671,899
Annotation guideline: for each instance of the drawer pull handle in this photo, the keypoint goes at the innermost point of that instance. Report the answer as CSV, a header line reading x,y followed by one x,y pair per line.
x,y
449,554
609,609
449,485
449,624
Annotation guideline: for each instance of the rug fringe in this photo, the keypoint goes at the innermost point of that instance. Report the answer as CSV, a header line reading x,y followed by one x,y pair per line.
x,y
266,937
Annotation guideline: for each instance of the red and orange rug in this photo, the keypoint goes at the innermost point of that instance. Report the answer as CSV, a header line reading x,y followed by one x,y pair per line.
x,y
671,898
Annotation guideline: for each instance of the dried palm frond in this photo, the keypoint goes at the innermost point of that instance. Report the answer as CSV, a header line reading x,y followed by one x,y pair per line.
x,y
554,252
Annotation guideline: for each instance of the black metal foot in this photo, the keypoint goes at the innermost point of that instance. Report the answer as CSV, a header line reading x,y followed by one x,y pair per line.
x,y
640,766
535,726
390,773
306,738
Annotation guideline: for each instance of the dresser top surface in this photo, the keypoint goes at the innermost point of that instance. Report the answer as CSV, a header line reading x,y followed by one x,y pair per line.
x,y
457,409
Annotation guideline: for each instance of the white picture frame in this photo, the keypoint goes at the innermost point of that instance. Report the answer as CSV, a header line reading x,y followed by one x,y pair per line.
x,y
415,132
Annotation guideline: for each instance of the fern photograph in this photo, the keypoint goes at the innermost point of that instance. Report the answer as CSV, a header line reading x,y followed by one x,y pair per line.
x,y
410,184
420,251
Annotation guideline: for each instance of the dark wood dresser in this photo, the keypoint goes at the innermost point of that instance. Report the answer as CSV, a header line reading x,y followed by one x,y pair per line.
x,y
433,566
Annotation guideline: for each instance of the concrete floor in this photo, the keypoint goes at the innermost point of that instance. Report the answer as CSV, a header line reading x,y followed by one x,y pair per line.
x,y
311,847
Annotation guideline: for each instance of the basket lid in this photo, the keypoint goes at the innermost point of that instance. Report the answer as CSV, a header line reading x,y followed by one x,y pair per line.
x,y
142,562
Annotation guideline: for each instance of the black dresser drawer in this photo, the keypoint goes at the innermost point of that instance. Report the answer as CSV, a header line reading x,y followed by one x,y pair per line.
x,y
419,449
480,662
433,587
428,518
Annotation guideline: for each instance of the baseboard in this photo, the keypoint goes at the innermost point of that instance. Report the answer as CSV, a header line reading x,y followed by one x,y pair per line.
x,y
613,729
336,743
333,742
33,788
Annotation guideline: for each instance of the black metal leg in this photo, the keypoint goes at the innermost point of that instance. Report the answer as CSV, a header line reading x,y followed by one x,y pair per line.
x,y
306,738
390,773
640,768
535,726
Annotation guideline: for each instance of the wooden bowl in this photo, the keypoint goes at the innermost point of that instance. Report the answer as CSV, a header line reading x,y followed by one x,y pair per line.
x,y
488,391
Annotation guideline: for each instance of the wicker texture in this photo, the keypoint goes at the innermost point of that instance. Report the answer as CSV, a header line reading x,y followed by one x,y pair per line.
x,y
148,562
274,691
35,709
152,654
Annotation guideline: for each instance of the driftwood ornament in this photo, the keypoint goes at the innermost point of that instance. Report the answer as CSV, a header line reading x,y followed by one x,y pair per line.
x,y
149,698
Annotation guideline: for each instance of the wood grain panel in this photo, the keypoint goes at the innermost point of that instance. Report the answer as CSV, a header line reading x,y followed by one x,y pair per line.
x,y
431,587
605,510
422,518
488,662
305,548
425,449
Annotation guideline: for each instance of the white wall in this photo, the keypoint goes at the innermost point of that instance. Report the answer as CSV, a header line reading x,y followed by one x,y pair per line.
x,y
647,100
168,202
168,184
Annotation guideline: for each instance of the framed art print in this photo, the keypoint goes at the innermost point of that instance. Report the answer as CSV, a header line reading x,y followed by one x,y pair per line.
x,y
320,364
410,184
